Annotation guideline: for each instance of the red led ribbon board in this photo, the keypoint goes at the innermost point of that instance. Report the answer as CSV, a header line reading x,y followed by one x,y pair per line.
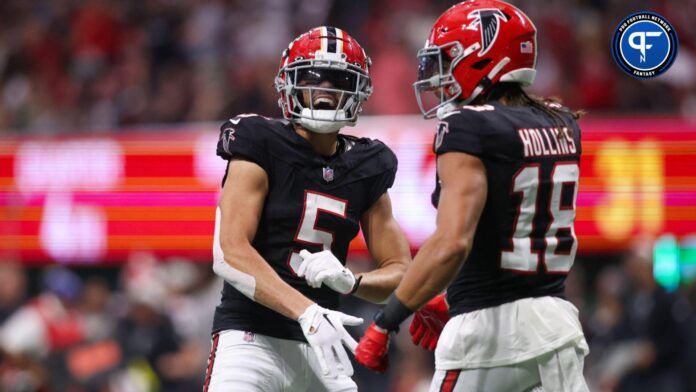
x,y
99,199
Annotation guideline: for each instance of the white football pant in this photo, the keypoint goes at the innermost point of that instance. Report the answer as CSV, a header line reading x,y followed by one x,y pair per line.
x,y
559,370
519,346
245,362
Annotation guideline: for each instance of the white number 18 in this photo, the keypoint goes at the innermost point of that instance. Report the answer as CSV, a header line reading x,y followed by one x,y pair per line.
x,y
522,257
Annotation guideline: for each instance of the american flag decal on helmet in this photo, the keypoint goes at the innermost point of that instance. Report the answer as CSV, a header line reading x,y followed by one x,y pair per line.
x,y
488,22
526,47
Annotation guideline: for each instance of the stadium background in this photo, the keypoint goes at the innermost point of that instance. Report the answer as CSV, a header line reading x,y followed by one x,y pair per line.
x,y
109,112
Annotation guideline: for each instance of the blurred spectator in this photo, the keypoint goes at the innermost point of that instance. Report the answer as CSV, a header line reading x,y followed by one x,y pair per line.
x,y
98,309
13,287
194,292
153,351
637,328
151,348
652,313
48,322
688,361
100,64
45,325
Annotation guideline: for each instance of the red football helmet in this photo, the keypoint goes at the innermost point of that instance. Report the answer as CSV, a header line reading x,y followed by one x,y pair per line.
x,y
323,54
472,46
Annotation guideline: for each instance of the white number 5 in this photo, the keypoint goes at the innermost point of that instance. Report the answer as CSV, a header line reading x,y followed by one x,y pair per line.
x,y
307,232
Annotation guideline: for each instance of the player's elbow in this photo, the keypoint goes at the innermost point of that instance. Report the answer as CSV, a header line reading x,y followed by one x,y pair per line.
x,y
231,250
459,249
241,281
225,265
219,268
454,249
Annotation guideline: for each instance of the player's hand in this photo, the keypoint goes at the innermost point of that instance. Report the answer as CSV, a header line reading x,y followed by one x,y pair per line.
x,y
324,267
428,323
373,348
325,333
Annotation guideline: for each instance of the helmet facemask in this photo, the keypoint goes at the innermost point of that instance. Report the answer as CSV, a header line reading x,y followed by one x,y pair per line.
x,y
435,75
486,42
307,99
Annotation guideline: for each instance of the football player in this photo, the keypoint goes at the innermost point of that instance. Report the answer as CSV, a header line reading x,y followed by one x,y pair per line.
x,y
507,180
294,195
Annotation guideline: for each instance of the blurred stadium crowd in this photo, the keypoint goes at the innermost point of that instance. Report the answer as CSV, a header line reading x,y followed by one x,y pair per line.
x,y
70,66
99,64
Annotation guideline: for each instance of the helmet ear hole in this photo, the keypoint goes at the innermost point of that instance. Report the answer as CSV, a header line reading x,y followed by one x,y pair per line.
x,y
479,65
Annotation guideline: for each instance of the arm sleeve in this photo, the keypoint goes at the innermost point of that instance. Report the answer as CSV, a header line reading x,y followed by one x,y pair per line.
x,y
460,133
239,139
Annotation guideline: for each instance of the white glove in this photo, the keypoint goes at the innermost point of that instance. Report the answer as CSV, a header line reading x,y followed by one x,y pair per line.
x,y
325,333
324,267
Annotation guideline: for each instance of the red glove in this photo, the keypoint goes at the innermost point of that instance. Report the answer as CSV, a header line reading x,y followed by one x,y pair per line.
x,y
428,323
372,349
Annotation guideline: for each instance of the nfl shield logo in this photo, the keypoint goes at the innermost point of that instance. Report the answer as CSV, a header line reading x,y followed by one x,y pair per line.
x,y
328,174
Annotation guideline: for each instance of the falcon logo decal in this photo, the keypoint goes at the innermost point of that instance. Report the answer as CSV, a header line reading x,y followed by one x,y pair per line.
x,y
488,22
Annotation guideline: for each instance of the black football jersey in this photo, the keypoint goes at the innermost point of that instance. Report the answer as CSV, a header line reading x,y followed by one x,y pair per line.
x,y
525,242
313,203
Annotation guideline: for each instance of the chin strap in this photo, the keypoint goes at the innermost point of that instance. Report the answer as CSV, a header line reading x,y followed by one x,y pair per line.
x,y
323,121
444,110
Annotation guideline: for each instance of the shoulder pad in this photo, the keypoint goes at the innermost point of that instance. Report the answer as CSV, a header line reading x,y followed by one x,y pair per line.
x,y
387,157
244,122
243,129
375,152
245,137
386,165
463,130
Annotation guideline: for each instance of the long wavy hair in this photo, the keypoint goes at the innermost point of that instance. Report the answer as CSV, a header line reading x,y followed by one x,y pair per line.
x,y
514,95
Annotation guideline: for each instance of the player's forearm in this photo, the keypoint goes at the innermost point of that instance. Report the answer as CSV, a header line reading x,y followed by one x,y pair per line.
x,y
434,267
377,285
268,288
276,294
437,263
389,248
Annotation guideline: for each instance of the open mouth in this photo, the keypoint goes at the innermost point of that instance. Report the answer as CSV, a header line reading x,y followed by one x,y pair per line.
x,y
324,103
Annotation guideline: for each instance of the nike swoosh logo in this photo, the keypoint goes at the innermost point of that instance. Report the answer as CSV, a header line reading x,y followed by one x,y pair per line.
x,y
235,121
326,316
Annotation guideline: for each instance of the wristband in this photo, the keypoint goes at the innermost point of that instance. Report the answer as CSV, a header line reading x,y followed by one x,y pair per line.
x,y
392,314
356,285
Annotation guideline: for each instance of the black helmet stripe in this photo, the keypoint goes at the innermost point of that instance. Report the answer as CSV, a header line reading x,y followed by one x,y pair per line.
x,y
331,37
